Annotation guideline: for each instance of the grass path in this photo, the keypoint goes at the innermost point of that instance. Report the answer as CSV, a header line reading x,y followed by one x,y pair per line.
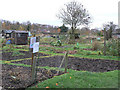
x,y
81,79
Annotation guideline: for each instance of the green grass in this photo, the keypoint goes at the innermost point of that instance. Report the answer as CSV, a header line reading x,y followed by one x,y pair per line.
x,y
84,56
17,53
82,79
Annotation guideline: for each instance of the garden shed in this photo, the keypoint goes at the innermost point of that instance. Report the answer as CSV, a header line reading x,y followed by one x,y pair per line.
x,y
19,37
7,33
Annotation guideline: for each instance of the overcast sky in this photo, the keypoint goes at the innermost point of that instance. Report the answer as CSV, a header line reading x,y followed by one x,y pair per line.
x,y
44,11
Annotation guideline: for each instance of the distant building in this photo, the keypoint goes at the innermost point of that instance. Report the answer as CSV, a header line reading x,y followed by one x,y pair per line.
x,y
116,33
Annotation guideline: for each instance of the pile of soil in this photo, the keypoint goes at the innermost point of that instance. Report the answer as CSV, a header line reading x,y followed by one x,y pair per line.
x,y
75,63
15,77
8,55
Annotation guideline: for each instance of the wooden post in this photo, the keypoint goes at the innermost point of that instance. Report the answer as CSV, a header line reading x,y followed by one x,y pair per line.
x,y
61,63
66,62
37,58
104,41
32,58
32,61
15,38
34,69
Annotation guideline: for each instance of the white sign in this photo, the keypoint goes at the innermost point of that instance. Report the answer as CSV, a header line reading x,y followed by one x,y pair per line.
x,y
35,47
32,41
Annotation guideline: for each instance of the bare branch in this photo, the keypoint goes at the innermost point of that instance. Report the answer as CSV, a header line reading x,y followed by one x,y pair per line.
x,y
74,14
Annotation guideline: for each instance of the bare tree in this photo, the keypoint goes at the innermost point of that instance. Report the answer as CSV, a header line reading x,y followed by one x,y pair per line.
x,y
74,15
110,27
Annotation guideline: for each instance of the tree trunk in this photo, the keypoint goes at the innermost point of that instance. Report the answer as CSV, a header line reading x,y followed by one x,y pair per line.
x,y
72,37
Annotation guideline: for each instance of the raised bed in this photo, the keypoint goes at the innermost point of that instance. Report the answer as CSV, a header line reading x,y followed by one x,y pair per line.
x,y
93,65
20,77
8,55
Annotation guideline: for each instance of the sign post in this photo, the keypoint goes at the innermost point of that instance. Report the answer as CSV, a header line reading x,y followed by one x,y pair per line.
x,y
34,68
34,46
34,64
32,41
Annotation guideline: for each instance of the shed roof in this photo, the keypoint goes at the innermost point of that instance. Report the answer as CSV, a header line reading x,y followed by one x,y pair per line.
x,y
20,31
8,31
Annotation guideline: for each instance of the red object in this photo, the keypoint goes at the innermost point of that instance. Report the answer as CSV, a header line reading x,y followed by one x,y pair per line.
x,y
47,87
56,84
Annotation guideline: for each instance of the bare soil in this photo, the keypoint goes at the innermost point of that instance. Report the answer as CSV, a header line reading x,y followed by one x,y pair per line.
x,y
75,63
8,55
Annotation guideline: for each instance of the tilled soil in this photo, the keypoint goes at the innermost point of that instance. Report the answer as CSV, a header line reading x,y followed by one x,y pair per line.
x,y
93,65
8,55
16,77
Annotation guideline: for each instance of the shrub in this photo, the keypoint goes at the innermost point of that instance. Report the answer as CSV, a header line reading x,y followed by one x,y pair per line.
x,y
3,42
112,47
58,43
76,47
99,53
96,45
80,51
8,47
